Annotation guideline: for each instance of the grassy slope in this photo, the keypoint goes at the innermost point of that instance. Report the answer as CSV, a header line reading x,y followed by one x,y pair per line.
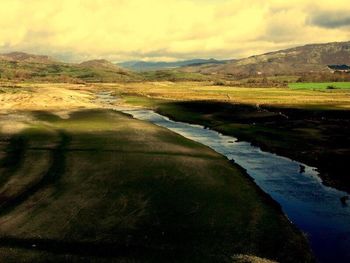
x,y
106,186
293,61
61,72
86,72
315,132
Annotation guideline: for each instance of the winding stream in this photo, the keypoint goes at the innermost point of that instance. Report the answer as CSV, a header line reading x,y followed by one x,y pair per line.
x,y
315,208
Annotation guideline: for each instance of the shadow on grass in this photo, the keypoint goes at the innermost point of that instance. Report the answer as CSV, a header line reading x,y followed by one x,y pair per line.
x,y
186,214
14,157
53,174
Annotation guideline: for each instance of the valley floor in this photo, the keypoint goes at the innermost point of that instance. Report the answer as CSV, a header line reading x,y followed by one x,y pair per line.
x,y
84,183
310,126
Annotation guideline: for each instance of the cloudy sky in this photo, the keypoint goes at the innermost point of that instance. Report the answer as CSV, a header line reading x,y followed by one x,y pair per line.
x,y
119,30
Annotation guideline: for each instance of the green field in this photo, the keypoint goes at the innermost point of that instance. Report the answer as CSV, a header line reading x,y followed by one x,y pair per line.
x,y
320,85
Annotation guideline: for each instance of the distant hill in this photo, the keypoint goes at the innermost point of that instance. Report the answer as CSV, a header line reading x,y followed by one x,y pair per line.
x,y
102,64
147,66
23,66
24,57
293,61
308,63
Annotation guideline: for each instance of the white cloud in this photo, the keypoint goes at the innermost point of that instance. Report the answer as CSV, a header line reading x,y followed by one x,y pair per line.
x,y
153,29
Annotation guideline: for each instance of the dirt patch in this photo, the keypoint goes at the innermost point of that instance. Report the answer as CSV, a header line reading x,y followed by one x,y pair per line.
x,y
45,97
14,123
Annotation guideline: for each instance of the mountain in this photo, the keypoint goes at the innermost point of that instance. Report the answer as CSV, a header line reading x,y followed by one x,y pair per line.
x,y
146,66
312,58
23,66
101,64
102,70
24,57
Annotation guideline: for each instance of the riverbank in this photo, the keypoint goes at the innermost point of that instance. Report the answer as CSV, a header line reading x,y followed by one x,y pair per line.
x,y
308,126
92,184
312,206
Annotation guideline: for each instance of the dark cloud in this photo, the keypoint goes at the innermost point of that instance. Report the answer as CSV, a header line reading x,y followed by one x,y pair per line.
x,y
330,19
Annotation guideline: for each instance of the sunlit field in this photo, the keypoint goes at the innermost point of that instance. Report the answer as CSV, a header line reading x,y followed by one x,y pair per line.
x,y
283,97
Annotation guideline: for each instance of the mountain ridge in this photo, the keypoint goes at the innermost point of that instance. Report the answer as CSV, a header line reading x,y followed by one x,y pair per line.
x,y
24,66
296,60
101,63
140,65
26,57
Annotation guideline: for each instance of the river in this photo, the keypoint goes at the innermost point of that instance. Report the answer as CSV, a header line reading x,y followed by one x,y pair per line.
x,y
315,208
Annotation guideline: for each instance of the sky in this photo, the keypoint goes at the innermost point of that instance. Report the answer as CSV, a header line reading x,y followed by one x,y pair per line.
x,y
167,30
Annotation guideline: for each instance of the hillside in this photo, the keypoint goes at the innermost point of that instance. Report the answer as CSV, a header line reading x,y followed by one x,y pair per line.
x,y
22,66
101,70
146,66
310,62
101,64
304,59
24,57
